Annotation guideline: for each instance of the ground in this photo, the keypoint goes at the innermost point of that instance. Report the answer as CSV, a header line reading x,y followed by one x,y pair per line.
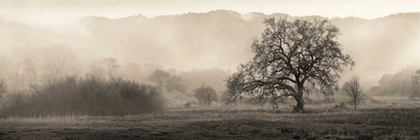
x,y
389,122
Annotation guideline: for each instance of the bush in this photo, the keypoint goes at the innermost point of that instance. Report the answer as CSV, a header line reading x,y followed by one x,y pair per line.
x,y
342,105
90,95
205,95
138,97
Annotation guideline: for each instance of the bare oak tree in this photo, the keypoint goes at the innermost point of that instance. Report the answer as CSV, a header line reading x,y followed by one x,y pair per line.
x,y
290,54
353,90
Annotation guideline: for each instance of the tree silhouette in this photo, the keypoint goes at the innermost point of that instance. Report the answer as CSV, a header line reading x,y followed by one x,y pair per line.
x,y
58,61
290,54
353,90
205,95
111,65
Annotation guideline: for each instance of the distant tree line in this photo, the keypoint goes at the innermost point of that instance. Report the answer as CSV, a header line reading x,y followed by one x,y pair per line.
x,y
289,56
89,95
49,81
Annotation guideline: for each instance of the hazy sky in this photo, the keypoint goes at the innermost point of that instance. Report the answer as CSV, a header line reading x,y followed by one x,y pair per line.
x,y
62,14
58,13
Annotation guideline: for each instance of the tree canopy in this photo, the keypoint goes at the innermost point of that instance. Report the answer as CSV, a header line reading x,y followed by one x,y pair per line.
x,y
205,95
289,55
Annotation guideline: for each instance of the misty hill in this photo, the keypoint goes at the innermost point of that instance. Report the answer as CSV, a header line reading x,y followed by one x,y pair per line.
x,y
223,38
215,39
398,84
213,77
16,35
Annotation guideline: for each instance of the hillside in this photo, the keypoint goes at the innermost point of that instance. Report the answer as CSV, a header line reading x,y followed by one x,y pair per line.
x,y
398,84
222,39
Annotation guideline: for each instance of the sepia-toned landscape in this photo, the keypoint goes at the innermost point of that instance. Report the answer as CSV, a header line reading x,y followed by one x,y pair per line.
x,y
199,70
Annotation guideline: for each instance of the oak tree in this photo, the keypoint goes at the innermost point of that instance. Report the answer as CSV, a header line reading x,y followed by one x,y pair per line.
x,y
289,56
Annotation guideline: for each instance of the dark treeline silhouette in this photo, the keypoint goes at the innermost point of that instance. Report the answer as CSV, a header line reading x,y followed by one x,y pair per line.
x,y
89,95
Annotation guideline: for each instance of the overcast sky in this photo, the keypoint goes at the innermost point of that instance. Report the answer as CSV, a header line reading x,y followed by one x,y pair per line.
x,y
61,12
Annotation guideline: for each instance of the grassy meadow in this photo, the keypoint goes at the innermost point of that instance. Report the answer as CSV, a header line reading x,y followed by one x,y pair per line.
x,y
385,120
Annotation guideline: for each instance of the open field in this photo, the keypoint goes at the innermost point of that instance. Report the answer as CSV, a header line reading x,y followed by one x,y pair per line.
x,y
220,123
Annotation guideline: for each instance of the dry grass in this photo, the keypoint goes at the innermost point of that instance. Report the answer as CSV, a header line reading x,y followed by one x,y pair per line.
x,y
218,123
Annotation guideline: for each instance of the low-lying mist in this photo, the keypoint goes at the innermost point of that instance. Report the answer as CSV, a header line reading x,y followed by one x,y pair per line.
x,y
212,43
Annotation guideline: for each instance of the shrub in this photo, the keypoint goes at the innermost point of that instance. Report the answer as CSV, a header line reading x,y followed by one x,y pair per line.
x,y
138,98
342,105
90,95
205,95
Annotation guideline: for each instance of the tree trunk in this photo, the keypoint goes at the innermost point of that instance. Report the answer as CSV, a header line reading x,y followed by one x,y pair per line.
x,y
299,105
299,100
355,104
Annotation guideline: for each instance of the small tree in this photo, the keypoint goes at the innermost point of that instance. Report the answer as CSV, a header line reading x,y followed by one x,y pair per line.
x,y
353,90
205,95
